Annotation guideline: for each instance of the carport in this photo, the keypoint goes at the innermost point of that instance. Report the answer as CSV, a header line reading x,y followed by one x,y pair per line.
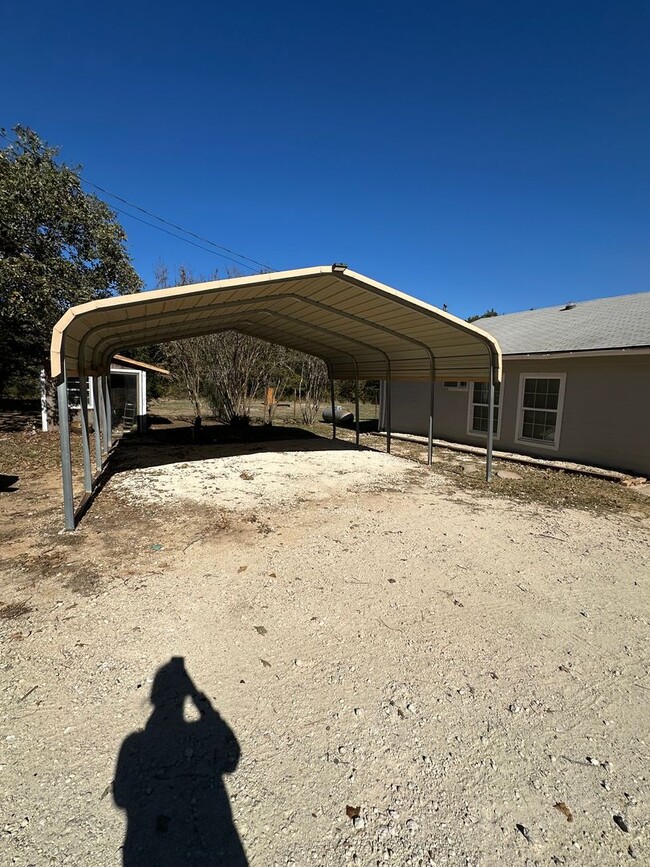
x,y
360,328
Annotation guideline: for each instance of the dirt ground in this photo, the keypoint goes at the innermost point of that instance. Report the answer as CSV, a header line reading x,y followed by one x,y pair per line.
x,y
289,652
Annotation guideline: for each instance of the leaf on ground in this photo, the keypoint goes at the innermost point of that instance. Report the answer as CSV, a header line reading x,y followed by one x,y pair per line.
x,y
242,568
272,575
265,663
352,812
261,630
564,809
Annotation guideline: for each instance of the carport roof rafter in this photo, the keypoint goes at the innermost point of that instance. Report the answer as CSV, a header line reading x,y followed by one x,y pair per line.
x,y
360,327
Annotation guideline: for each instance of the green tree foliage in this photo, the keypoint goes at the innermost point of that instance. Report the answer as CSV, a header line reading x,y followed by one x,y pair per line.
x,y
59,246
486,315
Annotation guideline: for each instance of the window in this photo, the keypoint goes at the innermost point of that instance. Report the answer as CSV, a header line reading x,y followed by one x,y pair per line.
x,y
539,414
477,420
456,386
74,394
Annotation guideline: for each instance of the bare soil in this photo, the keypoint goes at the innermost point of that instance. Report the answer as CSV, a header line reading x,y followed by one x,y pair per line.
x,y
383,663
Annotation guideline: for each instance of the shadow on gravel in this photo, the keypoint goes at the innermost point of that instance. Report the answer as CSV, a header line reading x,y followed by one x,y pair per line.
x,y
169,780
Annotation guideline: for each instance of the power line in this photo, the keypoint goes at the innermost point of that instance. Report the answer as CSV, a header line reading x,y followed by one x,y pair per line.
x,y
218,247
175,226
181,238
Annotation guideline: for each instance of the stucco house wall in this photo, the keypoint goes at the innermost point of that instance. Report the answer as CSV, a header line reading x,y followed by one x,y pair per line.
x,y
604,411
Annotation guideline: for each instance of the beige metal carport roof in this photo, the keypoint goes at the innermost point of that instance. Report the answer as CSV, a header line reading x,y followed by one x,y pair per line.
x,y
361,328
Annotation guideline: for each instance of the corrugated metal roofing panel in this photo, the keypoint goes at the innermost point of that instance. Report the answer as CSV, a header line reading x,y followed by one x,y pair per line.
x,y
358,326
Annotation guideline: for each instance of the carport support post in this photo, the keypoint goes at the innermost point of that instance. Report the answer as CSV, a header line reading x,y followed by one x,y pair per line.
x,y
109,414
389,413
101,416
490,430
333,409
85,436
96,423
66,457
356,406
430,445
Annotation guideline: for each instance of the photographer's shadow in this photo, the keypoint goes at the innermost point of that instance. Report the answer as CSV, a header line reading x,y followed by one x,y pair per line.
x,y
169,780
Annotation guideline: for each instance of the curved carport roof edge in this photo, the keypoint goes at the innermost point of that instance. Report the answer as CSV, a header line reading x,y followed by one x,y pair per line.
x,y
383,319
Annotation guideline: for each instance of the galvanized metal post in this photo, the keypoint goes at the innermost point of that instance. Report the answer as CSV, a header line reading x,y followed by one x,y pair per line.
x,y
101,416
96,423
356,407
430,445
389,413
490,430
333,408
85,434
109,412
66,456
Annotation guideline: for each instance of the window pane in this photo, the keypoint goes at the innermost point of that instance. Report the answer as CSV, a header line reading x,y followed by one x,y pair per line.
x,y
480,392
539,425
480,418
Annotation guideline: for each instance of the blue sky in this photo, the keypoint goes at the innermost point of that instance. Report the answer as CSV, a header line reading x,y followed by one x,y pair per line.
x,y
478,154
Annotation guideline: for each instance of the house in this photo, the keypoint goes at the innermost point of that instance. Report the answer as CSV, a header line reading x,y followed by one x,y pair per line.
x,y
576,387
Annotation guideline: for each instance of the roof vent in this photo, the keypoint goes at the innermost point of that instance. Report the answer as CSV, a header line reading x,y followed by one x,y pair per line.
x,y
569,306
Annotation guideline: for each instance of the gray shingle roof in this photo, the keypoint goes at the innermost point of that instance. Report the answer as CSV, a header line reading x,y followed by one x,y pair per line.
x,y
605,323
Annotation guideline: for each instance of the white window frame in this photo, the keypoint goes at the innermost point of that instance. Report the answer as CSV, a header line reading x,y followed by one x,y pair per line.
x,y
552,446
470,412
459,385
75,407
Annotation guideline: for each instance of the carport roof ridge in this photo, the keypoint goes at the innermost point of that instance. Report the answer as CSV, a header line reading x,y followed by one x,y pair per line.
x,y
359,327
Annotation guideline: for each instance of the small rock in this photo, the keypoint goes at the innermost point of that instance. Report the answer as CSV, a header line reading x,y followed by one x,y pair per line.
x,y
507,474
359,823
622,824
411,825
593,761
515,708
523,830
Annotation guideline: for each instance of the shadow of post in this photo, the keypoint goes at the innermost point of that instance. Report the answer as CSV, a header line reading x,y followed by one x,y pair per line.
x,y
169,780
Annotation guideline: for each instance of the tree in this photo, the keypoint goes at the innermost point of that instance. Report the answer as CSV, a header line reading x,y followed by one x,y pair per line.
x,y
59,246
486,315
313,381
232,370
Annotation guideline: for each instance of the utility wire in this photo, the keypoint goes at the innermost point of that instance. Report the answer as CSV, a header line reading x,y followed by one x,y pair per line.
x,y
187,240
217,247
174,226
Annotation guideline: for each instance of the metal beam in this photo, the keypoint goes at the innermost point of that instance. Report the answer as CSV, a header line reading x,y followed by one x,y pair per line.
x,y
108,411
431,402
66,457
101,416
356,407
96,423
389,413
85,434
490,430
333,408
